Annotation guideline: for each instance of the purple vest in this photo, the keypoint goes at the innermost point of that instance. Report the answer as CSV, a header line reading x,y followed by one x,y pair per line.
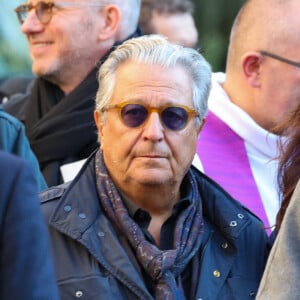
x,y
223,156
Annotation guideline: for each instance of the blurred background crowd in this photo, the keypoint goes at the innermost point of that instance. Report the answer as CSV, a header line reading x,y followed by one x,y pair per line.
x,y
213,20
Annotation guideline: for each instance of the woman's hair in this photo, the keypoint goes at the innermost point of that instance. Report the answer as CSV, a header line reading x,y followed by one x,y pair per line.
x,y
289,162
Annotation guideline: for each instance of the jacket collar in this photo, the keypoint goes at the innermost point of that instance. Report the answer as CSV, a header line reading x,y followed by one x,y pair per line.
x,y
81,197
220,209
78,207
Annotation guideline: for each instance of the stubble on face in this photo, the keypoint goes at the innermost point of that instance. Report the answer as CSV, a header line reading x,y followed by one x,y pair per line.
x,y
73,53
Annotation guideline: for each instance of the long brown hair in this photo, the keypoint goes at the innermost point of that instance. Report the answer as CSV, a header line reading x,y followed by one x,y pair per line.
x,y
289,162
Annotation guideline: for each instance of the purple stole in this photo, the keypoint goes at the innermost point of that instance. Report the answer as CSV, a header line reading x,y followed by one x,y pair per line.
x,y
223,156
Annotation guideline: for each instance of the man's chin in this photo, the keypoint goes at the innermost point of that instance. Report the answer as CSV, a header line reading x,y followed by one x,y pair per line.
x,y
152,180
40,69
45,74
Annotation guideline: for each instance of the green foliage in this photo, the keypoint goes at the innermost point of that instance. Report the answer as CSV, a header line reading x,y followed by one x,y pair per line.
x,y
214,19
12,63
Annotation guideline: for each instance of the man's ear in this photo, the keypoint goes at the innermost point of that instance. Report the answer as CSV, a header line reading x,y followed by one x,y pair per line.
x,y
99,123
251,64
201,126
111,16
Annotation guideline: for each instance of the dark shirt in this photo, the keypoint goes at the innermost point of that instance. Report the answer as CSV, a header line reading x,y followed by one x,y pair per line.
x,y
143,219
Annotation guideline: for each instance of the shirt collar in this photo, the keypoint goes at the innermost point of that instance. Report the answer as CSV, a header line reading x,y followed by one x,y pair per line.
x,y
185,200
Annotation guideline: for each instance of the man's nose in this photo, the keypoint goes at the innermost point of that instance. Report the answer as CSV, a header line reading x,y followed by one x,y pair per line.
x,y
31,23
153,128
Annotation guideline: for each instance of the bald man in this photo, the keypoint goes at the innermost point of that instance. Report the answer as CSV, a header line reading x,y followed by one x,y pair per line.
x,y
238,144
171,18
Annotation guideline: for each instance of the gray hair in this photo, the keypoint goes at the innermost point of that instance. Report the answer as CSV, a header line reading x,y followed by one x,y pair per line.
x,y
155,49
130,10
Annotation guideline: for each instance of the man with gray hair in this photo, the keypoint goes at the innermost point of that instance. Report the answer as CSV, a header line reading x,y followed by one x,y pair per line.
x,y
68,41
138,222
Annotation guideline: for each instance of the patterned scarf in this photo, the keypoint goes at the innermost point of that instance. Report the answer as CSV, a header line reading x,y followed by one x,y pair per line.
x,y
163,266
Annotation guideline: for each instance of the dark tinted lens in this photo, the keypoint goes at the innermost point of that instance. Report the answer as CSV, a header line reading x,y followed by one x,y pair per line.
x,y
44,11
134,115
174,118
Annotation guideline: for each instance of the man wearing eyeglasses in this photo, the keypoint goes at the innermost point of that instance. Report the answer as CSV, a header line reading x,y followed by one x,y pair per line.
x,y
68,41
138,222
239,144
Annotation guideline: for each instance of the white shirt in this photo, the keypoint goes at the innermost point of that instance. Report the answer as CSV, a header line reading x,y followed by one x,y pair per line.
x,y
261,145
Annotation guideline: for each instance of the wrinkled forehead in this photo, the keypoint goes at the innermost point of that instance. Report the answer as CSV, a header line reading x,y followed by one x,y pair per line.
x,y
153,82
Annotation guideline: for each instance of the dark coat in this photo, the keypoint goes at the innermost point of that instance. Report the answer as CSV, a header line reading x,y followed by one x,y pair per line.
x,y
13,85
91,259
26,267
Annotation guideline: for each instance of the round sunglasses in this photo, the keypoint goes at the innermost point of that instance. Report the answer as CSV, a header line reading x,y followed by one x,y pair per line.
x,y
135,115
44,9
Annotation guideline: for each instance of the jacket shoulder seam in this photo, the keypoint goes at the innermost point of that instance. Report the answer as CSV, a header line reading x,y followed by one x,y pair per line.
x,y
53,193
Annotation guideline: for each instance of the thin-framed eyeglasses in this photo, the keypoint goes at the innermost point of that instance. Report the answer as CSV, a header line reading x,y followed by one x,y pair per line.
x,y
280,58
134,115
44,10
